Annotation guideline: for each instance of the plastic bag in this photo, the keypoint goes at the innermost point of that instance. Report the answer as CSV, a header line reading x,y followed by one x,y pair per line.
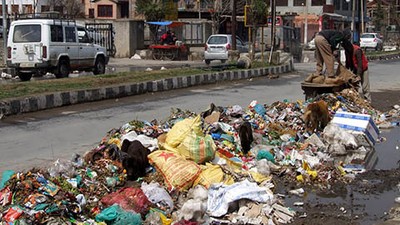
x,y
7,174
339,139
213,174
197,148
128,198
158,195
181,129
62,167
178,172
115,215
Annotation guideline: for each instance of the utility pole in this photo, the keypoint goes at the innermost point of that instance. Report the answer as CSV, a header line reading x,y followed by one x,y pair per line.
x,y
362,16
199,1
306,23
3,7
234,25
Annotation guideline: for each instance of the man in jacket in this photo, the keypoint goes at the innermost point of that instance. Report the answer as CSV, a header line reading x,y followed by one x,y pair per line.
x,y
326,42
357,62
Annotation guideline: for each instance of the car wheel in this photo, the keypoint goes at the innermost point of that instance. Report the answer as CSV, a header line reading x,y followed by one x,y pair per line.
x,y
25,76
207,61
62,69
99,66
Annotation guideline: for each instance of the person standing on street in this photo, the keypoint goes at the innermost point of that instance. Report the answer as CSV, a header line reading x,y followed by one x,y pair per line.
x,y
326,42
357,62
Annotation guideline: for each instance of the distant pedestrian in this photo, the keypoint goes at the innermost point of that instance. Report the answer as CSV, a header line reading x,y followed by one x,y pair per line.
x,y
357,62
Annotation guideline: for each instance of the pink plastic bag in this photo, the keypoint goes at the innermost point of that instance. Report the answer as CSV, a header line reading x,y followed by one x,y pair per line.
x,y
129,199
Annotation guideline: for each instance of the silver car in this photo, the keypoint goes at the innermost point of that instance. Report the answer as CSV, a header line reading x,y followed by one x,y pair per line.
x,y
218,46
371,40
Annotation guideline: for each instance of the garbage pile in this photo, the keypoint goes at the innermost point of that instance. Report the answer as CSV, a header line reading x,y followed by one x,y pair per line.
x,y
217,166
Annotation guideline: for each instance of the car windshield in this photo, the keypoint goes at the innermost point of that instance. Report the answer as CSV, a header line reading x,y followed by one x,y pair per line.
x,y
27,33
218,40
368,36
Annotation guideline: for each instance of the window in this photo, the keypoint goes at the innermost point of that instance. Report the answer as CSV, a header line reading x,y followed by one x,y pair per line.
x,y
346,5
218,40
56,33
281,3
104,10
317,2
299,3
27,33
337,4
91,13
70,35
82,35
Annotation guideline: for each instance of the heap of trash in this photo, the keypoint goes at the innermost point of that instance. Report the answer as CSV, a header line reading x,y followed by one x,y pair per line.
x,y
218,166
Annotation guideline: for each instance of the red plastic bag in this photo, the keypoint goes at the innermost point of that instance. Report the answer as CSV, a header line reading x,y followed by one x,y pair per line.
x,y
129,199
12,214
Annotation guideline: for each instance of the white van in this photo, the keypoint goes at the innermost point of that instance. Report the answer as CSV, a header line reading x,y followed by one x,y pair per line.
x,y
37,46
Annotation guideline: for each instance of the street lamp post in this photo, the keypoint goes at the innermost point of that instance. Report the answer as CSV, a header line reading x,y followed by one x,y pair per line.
x,y
353,10
306,22
3,7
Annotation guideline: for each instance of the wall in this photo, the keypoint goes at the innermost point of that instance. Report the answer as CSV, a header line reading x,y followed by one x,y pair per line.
x,y
129,37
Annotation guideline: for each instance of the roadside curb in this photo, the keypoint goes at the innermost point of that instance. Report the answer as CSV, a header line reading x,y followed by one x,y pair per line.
x,y
58,99
383,57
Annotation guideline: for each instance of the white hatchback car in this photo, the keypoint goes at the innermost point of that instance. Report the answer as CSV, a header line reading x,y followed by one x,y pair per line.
x,y
218,45
371,40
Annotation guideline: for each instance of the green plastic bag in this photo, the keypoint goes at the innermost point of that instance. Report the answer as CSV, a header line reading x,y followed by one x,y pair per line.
x,y
7,174
115,215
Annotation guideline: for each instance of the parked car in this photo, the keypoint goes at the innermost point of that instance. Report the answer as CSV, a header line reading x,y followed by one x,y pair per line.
x,y
218,46
371,40
37,46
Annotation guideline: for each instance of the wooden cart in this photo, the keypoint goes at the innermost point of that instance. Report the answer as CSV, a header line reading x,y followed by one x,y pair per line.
x,y
169,52
311,90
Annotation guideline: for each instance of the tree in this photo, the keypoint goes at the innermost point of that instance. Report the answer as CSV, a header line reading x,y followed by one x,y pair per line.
x,y
69,8
152,10
218,8
257,16
379,16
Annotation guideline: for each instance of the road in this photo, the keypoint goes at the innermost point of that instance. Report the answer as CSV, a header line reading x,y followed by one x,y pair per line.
x,y
37,139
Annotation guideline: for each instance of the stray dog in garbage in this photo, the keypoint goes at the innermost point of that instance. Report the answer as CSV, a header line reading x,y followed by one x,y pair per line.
x,y
246,137
134,159
316,116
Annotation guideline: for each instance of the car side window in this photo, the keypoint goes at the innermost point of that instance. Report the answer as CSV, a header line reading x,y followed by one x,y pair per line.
x,y
238,41
56,33
83,36
70,35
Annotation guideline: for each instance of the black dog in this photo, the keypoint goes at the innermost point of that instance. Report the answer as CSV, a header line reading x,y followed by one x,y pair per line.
x,y
246,137
134,159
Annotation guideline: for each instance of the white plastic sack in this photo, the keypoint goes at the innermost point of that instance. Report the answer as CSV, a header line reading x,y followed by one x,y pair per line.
x,y
147,142
158,195
220,196
338,139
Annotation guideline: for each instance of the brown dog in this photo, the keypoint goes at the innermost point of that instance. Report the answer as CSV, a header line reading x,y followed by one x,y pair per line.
x,y
316,116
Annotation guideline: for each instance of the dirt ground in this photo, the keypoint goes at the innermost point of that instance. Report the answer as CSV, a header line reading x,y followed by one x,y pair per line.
x,y
368,185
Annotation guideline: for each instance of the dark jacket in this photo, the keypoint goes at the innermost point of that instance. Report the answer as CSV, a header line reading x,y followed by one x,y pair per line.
x,y
334,37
